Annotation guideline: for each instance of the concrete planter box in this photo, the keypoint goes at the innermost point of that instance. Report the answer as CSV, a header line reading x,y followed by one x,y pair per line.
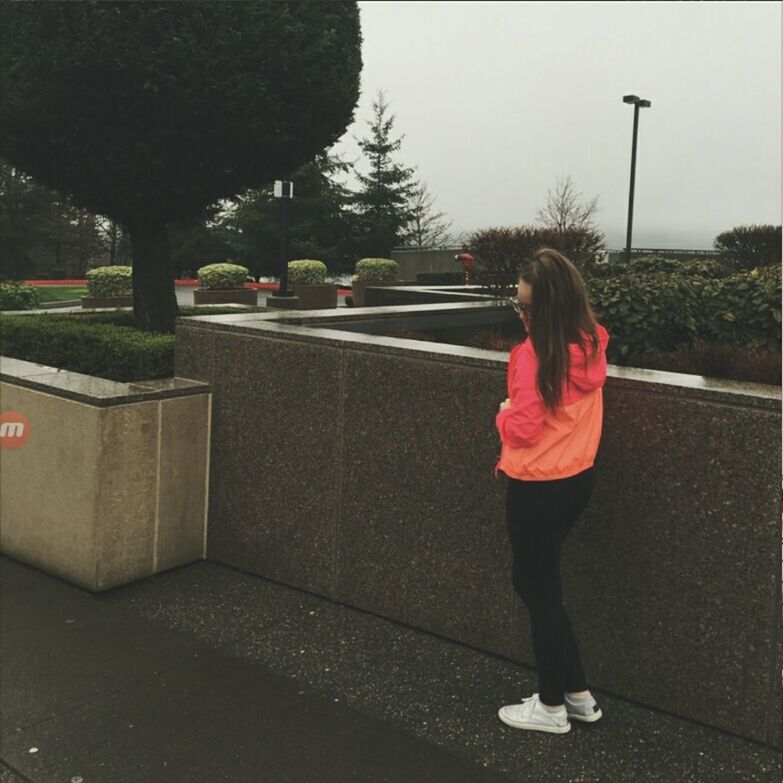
x,y
315,297
110,486
245,296
359,287
107,301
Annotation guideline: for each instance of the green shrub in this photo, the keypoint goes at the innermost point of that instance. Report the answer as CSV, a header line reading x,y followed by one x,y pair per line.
x,y
705,267
306,272
643,312
119,353
104,344
651,264
222,276
747,247
110,281
742,309
18,296
377,269
500,252
701,267
663,311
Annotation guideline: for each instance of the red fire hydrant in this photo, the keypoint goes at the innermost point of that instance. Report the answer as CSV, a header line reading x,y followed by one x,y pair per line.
x,y
467,260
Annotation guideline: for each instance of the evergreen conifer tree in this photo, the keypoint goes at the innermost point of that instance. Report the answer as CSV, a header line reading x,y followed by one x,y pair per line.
x,y
383,202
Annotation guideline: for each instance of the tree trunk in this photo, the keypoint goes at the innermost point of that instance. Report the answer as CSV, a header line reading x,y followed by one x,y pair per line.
x,y
154,297
112,242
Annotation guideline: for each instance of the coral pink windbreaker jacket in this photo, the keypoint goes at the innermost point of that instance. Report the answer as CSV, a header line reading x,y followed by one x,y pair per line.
x,y
538,445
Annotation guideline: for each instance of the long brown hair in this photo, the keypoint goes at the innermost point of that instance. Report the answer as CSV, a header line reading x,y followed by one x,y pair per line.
x,y
560,313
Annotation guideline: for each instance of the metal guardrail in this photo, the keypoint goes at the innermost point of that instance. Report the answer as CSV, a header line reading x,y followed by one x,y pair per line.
x,y
648,251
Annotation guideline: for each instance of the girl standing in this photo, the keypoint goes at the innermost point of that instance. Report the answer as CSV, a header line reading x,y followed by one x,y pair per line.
x,y
550,428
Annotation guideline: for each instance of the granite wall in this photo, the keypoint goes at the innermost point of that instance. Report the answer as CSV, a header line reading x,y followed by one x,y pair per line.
x,y
361,468
411,261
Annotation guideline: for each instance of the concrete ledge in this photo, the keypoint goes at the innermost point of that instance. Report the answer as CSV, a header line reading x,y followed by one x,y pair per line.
x,y
434,294
90,389
111,484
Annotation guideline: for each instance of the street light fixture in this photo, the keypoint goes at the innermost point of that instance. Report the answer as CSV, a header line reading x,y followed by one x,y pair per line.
x,y
637,104
284,190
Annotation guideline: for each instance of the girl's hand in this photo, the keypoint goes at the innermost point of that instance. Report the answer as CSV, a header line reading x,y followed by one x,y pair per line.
x,y
505,404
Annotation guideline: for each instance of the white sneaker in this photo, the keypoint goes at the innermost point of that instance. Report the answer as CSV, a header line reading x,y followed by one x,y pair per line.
x,y
586,709
531,714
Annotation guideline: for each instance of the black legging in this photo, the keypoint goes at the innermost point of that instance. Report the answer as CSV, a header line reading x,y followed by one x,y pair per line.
x,y
539,515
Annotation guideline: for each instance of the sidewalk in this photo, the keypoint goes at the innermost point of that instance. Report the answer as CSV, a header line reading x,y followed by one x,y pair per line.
x,y
206,673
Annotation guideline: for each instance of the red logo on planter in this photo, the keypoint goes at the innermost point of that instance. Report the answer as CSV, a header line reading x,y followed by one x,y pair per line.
x,y
14,429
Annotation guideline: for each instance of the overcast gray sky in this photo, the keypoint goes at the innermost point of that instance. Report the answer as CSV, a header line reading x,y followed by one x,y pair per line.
x,y
496,100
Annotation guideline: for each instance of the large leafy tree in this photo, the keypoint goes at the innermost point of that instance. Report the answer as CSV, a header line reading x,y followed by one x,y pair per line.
x,y
24,209
383,201
40,230
151,112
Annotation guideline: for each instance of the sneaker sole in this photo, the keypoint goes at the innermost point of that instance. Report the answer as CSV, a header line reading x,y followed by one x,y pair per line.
x,y
586,718
534,726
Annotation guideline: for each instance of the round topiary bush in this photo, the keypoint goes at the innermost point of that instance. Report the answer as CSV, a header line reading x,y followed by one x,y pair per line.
x,y
377,269
306,272
110,281
222,276
18,296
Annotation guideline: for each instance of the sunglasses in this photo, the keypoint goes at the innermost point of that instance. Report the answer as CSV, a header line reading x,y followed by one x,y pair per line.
x,y
519,308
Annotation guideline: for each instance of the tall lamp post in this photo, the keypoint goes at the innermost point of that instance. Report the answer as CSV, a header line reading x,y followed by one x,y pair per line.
x,y
637,104
284,190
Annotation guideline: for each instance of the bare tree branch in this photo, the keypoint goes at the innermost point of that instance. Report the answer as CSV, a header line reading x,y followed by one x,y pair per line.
x,y
564,210
426,228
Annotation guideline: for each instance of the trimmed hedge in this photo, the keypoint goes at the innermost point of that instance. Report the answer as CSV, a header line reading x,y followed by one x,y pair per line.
x,y
106,345
377,269
643,312
119,353
18,296
306,272
110,281
222,276
662,311
742,309
701,267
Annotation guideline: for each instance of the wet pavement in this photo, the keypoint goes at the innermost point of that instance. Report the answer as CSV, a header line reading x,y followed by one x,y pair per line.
x,y
184,299
208,673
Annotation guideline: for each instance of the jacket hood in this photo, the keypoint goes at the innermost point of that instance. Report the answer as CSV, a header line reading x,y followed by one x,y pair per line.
x,y
594,375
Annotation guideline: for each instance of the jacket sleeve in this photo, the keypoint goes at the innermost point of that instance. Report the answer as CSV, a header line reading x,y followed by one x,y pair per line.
x,y
522,423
